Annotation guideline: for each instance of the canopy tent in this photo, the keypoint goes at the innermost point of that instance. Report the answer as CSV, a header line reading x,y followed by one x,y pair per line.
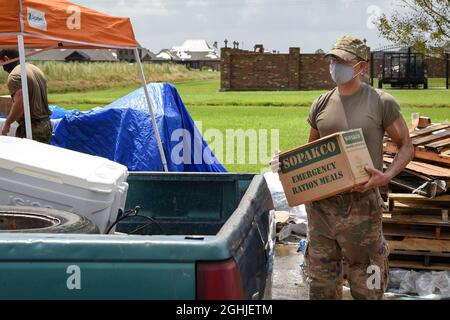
x,y
60,23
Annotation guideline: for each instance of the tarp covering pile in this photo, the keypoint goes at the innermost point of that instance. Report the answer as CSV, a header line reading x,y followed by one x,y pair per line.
x,y
123,132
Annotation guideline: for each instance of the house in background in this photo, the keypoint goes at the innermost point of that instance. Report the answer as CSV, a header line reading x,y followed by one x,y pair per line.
x,y
71,55
128,54
92,55
167,55
50,55
197,54
147,56
194,54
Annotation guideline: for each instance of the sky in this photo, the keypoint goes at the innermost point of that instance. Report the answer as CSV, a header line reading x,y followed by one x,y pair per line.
x,y
277,24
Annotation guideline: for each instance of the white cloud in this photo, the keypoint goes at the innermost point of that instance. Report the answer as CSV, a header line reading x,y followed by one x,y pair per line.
x,y
201,18
145,8
278,24
197,3
252,9
130,8
346,3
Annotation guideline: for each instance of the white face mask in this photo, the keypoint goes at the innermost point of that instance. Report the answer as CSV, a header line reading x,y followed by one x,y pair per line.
x,y
342,73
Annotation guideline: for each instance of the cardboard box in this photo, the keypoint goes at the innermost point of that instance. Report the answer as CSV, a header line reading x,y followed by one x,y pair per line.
x,y
325,167
5,105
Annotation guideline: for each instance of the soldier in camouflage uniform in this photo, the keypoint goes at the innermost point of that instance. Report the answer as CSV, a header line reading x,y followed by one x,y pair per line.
x,y
37,92
348,226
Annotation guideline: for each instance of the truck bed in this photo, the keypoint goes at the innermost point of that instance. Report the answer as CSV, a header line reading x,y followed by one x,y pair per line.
x,y
205,222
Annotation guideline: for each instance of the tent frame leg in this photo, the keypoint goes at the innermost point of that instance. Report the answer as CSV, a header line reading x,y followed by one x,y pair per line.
x,y
150,107
26,100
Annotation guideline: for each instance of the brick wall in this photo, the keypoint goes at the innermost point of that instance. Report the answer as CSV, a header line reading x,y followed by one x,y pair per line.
x,y
315,72
247,70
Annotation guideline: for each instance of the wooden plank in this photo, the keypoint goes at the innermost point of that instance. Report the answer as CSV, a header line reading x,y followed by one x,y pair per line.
x,y
421,254
429,129
414,219
413,208
417,244
438,144
430,138
418,265
419,153
424,168
412,233
408,197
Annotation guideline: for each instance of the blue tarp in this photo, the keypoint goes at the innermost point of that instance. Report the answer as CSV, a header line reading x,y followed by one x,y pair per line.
x,y
123,132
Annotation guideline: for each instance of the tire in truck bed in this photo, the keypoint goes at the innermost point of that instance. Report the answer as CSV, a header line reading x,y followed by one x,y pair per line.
x,y
18,219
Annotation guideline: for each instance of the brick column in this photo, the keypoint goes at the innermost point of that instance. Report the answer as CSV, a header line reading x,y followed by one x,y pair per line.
x,y
225,69
294,68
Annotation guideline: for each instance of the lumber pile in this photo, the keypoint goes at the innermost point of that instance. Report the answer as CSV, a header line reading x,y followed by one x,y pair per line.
x,y
416,221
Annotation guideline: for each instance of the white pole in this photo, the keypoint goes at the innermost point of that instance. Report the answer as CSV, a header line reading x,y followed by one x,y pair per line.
x,y
150,107
26,101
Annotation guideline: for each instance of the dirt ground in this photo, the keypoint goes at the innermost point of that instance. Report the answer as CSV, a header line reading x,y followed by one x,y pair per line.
x,y
287,281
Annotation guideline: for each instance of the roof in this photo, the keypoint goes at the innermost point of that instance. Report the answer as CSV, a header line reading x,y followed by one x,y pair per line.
x,y
51,55
201,56
146,54
194,50
167,54
87,54
194,46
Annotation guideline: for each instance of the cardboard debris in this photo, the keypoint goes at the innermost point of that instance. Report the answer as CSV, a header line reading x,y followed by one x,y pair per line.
x,y
325,167
281,216
424,122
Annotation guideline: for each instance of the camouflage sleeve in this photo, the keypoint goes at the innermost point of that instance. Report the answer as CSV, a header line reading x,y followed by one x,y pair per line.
x,y
390,109
313,114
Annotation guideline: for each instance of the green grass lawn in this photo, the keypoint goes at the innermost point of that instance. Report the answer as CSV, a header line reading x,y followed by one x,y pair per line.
x,y
70,77
206,93
290,121
282,111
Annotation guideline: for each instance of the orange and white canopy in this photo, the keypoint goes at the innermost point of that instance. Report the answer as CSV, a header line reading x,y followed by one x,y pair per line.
x,y
47,24
60,22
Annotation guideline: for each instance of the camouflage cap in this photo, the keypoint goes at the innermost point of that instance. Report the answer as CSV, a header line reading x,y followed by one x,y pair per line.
x,y
349,48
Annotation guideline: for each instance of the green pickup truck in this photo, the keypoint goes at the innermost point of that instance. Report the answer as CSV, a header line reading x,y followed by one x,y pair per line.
x,y
208,239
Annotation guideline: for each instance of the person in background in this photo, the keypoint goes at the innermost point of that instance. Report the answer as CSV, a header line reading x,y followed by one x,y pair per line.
x,y
37,92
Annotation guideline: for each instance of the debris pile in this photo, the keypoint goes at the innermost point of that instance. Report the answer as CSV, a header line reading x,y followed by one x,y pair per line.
x,y
416,219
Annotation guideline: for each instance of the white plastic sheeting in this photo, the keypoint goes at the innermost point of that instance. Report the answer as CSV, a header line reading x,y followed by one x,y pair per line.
x,y
422,283
298,213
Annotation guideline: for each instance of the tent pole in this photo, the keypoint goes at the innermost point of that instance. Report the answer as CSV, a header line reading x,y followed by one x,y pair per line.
x,y
150,107
26,99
